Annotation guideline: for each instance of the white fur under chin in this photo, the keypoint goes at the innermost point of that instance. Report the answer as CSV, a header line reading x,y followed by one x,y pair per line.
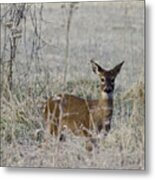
x,y
106,95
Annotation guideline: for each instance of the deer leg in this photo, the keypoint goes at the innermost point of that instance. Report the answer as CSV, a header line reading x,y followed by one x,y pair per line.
x,y
107,126
53,129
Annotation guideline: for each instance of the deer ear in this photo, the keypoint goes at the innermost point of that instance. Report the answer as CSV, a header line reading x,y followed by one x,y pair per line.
x,y
117,69
96,68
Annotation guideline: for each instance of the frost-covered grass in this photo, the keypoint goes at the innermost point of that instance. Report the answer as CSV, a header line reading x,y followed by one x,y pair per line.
x,y
110,32
25,143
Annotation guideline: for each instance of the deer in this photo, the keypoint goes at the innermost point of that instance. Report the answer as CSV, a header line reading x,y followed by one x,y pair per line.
x,y
82,116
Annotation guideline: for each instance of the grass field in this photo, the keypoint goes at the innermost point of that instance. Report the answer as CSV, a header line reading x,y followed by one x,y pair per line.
x,y
108,32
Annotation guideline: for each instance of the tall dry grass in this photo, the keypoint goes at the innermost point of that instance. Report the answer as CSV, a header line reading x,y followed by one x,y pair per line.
x,y
23,133
110,32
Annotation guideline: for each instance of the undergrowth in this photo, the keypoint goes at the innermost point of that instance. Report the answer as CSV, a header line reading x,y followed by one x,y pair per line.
x,y
24,141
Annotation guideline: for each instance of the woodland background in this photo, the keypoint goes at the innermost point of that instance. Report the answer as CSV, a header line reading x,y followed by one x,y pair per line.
x,y
46,49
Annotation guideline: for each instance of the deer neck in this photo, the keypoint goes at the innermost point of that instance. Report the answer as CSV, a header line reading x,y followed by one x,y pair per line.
x,y
106,101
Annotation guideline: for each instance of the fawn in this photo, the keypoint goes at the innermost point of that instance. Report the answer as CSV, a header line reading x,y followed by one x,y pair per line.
x,y
82,116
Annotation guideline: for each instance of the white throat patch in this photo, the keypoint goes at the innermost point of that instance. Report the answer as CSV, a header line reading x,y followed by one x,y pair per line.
x,y
105,95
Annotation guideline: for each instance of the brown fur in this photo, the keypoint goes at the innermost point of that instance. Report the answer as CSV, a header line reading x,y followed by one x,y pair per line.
x,y
81,115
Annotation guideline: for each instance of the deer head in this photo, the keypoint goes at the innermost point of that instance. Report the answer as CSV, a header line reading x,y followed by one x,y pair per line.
x,y
107,77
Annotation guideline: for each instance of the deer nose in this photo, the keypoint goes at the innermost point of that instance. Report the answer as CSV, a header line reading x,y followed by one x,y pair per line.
x,y
108,89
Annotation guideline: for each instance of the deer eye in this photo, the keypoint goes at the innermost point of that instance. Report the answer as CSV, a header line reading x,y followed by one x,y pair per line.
x,y
102,79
